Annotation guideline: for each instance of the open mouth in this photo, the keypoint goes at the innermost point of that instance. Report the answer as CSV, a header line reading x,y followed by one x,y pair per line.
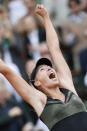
x,y
52,75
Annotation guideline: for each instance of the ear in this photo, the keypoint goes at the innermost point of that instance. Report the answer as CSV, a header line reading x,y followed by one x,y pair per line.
x,y
37,83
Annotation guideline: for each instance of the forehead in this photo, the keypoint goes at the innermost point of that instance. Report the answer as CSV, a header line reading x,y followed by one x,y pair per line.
x,y
42,66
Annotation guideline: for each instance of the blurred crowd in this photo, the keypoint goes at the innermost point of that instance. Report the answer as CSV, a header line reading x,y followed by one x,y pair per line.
x,y
23,42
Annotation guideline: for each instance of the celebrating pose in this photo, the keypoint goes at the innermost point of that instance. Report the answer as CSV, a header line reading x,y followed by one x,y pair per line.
x,y
54,97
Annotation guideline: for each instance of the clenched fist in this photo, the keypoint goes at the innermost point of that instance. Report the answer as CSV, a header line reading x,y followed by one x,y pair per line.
x,y
40,10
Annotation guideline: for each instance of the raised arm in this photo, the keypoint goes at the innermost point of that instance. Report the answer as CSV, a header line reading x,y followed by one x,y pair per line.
x,y
62,68
28,93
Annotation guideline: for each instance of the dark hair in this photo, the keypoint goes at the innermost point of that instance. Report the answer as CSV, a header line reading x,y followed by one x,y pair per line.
x,y
78,2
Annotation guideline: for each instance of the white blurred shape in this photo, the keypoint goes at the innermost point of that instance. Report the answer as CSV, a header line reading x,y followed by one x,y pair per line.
x,y
17,10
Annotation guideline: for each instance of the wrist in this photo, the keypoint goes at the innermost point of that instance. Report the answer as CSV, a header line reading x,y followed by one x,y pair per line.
x,y
46,16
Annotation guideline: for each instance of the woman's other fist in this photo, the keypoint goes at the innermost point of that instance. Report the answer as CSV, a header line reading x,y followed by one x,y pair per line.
x,y
40,10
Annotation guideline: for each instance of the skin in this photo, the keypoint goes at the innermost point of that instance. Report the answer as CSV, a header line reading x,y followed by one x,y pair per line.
x,y
74,7
46,86
30,5
29,20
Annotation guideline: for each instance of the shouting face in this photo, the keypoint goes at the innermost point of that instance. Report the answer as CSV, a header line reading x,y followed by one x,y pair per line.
x,y
46,77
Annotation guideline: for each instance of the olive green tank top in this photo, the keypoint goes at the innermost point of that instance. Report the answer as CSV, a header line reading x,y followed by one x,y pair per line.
x,y
55,110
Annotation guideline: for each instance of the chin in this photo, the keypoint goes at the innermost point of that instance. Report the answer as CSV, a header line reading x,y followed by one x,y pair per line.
x,y
55,82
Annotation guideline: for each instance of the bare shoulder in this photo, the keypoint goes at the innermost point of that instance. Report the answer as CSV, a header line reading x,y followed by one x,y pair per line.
x,y
41,96
39,102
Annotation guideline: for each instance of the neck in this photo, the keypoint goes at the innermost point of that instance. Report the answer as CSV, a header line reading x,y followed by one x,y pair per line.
x,y
55,93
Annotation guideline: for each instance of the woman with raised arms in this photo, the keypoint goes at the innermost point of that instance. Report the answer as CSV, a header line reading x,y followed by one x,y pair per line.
x,y
54,97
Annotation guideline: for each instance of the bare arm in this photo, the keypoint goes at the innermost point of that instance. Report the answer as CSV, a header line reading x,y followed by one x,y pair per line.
x,y
62,68
28,93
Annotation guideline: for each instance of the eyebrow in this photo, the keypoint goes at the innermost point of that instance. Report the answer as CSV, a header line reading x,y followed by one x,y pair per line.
x,y
40,67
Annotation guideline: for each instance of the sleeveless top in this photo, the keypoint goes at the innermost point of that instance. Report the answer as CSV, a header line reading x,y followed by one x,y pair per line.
x,y
55,110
